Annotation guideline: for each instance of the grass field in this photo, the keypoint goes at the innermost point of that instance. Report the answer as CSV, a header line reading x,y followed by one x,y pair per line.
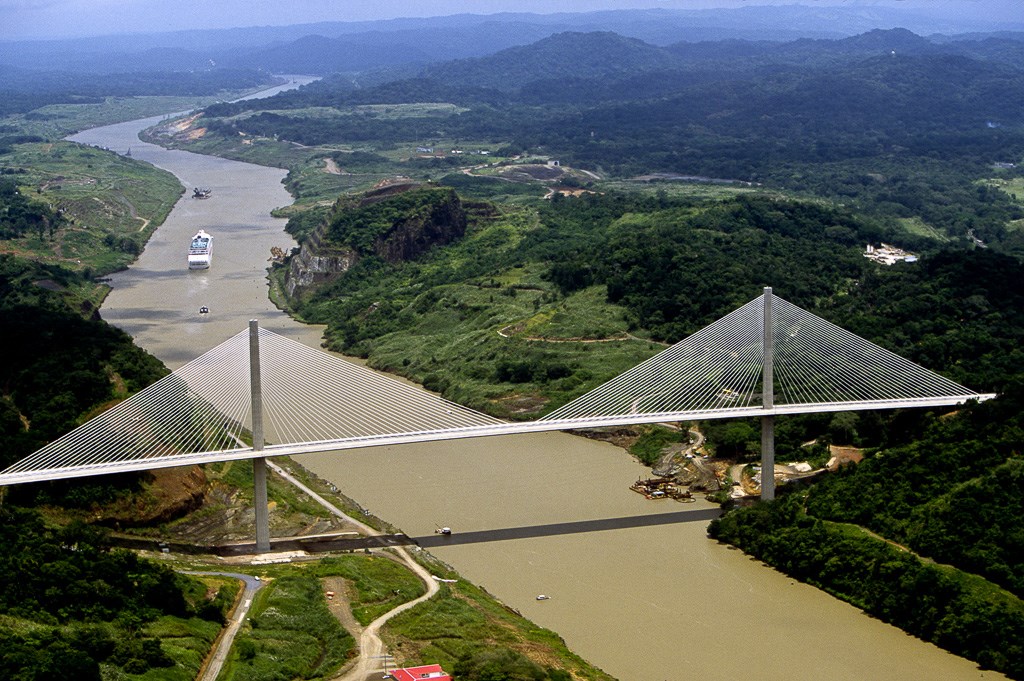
x,y
186,641
1014,187
694,190
290,634
918,227
379,584
113,204
477,331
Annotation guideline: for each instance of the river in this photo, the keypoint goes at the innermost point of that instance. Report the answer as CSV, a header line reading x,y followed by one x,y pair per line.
x,y
635,586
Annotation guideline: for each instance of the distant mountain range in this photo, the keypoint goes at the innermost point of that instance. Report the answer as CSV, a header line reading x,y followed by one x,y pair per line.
x,y
412,44
605,60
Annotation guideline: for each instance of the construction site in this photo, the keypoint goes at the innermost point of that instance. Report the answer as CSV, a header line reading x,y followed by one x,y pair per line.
x,y
686,469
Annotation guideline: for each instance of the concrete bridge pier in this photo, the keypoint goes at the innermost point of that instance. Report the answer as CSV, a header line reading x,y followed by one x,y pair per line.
x,y
259,464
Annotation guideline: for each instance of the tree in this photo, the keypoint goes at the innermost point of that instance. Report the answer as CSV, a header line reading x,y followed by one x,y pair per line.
x,y
499,665
843,427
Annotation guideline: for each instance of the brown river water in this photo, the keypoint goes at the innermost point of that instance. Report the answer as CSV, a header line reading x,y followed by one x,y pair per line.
x,y
635,586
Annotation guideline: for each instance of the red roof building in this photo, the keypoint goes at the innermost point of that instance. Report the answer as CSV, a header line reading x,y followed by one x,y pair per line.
x,y
433,672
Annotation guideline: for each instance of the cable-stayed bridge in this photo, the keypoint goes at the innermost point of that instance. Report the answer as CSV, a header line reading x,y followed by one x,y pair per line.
x,y
259,394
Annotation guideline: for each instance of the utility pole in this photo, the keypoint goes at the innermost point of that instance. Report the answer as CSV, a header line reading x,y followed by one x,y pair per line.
x,y
259,463
767,403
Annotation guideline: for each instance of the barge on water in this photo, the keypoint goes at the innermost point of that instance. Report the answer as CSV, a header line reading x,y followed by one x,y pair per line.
x,y
661,488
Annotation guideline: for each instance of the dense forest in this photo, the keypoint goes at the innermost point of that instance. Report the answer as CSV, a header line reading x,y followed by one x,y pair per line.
x,y
76,362
674,266
70,605
20,216
951,496
400,226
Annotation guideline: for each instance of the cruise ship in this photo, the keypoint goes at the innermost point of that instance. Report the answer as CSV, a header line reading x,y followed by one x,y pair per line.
x,y
200,252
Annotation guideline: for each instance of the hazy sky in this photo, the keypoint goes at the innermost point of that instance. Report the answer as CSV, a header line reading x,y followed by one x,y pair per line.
x,y
24,19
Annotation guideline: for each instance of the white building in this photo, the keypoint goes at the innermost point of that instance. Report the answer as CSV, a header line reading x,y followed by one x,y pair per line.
x,y
888,254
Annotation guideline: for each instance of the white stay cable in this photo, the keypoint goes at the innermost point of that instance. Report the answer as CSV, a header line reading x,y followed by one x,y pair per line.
x,y
309,396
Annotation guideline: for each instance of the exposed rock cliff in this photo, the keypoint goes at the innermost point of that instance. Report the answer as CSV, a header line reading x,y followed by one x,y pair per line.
x,y
396,224
316,263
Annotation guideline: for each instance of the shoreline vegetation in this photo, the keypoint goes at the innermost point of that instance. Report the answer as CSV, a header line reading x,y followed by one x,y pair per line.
x,y
956,610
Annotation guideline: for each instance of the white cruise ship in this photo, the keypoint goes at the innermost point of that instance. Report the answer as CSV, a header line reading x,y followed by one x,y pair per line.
x,y
200,252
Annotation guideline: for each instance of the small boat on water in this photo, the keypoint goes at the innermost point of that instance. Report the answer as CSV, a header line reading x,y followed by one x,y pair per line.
x,y
443,530
199,192
200,251
543,597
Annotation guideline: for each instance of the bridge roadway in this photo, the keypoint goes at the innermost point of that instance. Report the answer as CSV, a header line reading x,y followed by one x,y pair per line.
x,y
494,430
351,541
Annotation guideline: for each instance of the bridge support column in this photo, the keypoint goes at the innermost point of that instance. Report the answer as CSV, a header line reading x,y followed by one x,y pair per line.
x,y
768,402
261,504
767,458
259,464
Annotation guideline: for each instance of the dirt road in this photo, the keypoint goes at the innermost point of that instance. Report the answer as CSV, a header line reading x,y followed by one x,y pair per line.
x,y
369,663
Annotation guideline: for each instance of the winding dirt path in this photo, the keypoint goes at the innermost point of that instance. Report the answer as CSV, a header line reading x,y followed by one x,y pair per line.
x,y
665,463
123,200
511,330
369,663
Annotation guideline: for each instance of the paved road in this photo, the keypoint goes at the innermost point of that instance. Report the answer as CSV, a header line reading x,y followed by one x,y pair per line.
x,y
220,654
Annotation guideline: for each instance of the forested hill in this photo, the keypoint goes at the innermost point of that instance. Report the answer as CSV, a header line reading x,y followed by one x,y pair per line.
x,y
607,55
60,365
665,268
892,124
572,55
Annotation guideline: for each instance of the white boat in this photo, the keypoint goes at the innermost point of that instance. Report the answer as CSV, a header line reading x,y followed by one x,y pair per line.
x,y
200,251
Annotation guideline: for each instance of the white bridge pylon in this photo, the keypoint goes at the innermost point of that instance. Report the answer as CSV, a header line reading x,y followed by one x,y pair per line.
x,y
304,400
812,366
